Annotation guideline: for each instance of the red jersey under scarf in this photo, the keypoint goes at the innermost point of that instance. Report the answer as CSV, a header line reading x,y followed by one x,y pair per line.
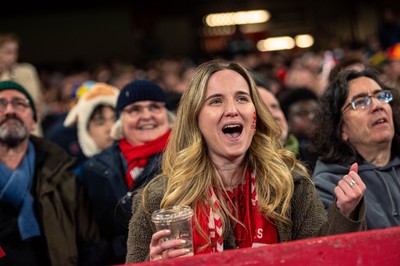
x,y
257,231
137,156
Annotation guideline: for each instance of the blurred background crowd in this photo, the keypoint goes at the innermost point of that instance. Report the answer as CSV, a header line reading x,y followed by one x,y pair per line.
x,y
164,42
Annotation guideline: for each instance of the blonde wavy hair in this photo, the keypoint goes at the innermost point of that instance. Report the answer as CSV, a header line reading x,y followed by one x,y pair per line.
x,y
191,173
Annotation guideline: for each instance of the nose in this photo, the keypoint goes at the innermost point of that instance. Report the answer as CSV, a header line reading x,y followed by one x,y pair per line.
x,y
146,113
8,108
230,108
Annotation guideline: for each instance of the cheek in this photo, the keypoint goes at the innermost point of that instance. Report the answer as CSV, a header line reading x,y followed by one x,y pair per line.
x,y
129,122
30,122
33,128
254,123
91,130
127,126
207,116
202,124
344,130
162,119
94,131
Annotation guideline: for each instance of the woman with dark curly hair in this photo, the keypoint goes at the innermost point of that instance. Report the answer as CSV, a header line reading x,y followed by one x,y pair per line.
x,y
358,123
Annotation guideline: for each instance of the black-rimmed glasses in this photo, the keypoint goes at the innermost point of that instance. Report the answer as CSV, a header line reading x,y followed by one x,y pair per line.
x,y
362,102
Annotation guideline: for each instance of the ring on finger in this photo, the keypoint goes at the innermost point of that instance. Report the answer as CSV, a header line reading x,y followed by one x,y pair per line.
x,y
158,257
352,182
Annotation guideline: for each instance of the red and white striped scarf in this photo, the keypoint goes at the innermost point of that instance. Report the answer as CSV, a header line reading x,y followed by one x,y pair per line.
x,y
258,230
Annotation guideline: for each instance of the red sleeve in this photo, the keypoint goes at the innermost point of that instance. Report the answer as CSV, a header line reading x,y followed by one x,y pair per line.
x,y
2,253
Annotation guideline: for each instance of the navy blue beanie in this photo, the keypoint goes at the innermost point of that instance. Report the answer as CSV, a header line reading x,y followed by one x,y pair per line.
x,y
140,90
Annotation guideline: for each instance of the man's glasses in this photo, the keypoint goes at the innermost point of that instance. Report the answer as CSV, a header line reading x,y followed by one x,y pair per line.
x,y
18,104
362,102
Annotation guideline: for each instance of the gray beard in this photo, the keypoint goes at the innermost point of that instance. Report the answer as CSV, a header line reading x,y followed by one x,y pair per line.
x,y
12,136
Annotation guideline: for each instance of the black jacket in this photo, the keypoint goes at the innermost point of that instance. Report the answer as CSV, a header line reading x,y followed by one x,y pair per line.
x,y
103,177
67,226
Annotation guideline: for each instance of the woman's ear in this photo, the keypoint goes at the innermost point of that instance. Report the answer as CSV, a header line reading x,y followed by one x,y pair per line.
x,y
345,137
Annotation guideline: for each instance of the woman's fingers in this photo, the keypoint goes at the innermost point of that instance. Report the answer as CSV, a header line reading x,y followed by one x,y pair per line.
x,y
156,248
161,248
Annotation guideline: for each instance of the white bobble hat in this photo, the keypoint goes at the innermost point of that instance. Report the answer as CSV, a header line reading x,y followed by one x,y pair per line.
x,y
92,95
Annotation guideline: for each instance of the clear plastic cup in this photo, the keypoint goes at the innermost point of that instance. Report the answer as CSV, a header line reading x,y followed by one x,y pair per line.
x,y
178,219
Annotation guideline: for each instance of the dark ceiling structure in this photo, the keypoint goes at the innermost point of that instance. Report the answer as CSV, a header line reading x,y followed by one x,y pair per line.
x,y
65,31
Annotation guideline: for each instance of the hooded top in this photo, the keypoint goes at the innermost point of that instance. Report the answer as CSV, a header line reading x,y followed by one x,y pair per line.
x,y
382,196
92,95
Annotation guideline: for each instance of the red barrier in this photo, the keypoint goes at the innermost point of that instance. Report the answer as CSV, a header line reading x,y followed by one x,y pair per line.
x,y
375,247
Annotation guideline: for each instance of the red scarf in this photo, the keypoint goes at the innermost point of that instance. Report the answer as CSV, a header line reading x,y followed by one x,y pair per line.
x,y
137,156
258,230
2,253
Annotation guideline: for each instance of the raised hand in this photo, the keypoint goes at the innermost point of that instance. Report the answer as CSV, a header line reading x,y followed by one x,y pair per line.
x,y
349,191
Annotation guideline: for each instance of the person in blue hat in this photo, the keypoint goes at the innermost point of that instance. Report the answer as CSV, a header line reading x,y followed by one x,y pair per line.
x,y
44,215
141,133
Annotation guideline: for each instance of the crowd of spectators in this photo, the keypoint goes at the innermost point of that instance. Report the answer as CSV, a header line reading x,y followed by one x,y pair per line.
x,y
296,82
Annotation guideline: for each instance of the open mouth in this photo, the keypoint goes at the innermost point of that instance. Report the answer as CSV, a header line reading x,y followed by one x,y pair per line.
x,y
379,121
233,131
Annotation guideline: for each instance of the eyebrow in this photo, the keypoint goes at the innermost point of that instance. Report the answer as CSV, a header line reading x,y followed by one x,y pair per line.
x,y
363,94
220,94
15,98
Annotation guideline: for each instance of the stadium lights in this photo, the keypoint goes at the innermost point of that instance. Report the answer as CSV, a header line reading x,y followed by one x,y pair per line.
x,y
236,18
304,40
276,43
285,43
